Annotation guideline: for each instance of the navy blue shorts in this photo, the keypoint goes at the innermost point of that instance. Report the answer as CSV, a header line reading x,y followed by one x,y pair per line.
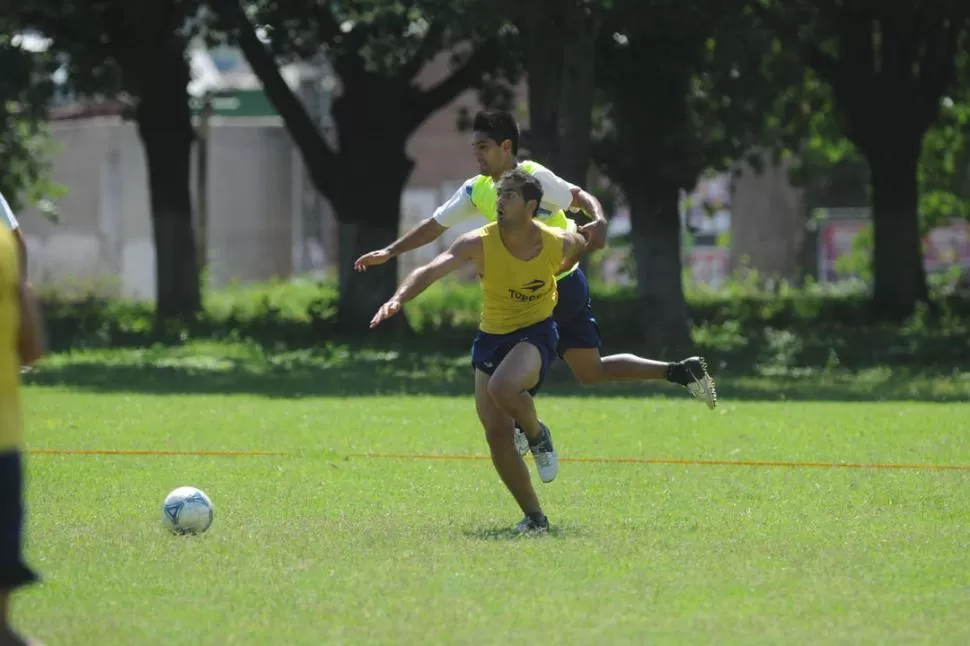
x,y
488,350
13,571
574,314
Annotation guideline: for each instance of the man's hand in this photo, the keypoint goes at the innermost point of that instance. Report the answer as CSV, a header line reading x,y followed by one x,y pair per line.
x,y
595,234
372,259
387,310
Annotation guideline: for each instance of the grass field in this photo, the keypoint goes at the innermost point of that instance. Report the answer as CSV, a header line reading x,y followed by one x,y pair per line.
x,y
380,523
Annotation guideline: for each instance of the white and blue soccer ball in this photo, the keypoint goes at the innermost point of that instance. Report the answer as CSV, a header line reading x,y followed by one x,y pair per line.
x,y
187,510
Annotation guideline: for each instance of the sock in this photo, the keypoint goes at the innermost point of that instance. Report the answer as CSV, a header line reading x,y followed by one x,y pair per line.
x,y
677,373
537,517
538,439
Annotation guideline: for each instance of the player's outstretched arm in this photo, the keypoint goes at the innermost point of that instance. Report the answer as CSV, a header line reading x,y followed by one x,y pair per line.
x,y
466,248
459,208
426,232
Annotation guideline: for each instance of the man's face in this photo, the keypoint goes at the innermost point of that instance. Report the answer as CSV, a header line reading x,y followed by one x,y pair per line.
x,y
513,210
492,157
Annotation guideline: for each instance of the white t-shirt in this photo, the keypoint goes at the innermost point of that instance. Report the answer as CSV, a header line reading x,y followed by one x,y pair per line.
x,y
556,196
6,214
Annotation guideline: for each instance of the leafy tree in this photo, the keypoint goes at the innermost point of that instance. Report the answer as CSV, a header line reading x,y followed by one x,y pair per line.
x,y
137,49
685,86
889,67
25,89
377,49
560,68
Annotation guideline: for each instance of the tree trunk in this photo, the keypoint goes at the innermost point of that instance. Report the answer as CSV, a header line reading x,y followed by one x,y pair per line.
x,y
898,274
369,215
165,127
577,90
362,293
543,69
657,251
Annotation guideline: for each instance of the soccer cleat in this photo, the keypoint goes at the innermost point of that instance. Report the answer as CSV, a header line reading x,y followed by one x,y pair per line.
x,y
529,527
521,441
700,383
547,462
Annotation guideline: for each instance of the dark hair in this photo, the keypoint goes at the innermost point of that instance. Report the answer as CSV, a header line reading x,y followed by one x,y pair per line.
x,y
498,125
527,186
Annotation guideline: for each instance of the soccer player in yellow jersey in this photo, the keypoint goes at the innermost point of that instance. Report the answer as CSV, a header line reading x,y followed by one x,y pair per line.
x,y
496,143
20,344
517,259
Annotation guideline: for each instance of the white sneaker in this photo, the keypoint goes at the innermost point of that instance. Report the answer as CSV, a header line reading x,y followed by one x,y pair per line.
x,y
547,462
701,383
521,441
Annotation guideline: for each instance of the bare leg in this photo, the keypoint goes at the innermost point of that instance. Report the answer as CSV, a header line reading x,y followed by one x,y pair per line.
x,y
509,385
590,368
507,461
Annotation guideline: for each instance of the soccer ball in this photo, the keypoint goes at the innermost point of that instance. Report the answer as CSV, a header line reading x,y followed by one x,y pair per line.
x,y
187,510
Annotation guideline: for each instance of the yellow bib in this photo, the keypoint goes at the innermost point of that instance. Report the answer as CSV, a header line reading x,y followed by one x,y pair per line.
x,y
485,198
518,293
10,433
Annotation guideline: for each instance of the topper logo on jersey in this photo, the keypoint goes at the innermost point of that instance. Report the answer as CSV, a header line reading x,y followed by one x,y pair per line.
x,y
533,286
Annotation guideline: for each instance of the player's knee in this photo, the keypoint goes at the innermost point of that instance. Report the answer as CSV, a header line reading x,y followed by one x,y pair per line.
x,y
501,390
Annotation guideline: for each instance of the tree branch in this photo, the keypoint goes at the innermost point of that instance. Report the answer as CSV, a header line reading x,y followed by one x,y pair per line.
x,y
483,59
427,48
317,154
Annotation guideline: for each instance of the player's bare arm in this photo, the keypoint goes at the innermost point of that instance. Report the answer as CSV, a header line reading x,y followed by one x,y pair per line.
x,y
574,247
426,232
22,252
467,248
31,345
596,230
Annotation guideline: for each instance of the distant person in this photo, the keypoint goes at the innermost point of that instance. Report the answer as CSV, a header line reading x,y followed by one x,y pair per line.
x,y
21,344
10,220
517,259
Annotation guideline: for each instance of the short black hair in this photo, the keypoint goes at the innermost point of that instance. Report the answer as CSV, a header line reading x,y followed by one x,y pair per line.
x,y
498,125
527,186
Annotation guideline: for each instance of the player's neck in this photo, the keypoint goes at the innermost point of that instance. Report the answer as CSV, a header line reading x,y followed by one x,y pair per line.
x,y
518,233
513,162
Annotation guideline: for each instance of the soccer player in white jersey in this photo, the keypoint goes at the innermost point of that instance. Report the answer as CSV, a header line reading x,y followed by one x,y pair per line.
x,y
495,143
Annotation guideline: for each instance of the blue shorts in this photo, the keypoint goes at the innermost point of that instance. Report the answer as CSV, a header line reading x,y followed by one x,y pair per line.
x,y
489,350
574,314
13,572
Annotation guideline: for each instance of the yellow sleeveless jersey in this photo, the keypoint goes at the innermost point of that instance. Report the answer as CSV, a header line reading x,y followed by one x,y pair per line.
x,y
485,198
10,433
518,293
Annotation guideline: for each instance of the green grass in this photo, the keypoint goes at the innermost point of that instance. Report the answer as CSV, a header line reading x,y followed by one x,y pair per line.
x,y
325,545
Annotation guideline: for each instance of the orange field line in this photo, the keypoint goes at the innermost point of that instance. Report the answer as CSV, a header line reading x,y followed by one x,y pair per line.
x,y
150,452
452,457
692,462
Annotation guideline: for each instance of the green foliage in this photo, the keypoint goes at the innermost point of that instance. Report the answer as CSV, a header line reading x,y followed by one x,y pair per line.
x,y
746,325
25,89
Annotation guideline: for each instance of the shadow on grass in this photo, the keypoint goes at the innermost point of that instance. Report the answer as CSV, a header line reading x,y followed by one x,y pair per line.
x,y
358,372
509,534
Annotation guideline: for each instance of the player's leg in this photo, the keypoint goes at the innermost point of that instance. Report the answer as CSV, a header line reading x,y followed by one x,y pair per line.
x,y
691,373
13,572
512,386
506,460
579,346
